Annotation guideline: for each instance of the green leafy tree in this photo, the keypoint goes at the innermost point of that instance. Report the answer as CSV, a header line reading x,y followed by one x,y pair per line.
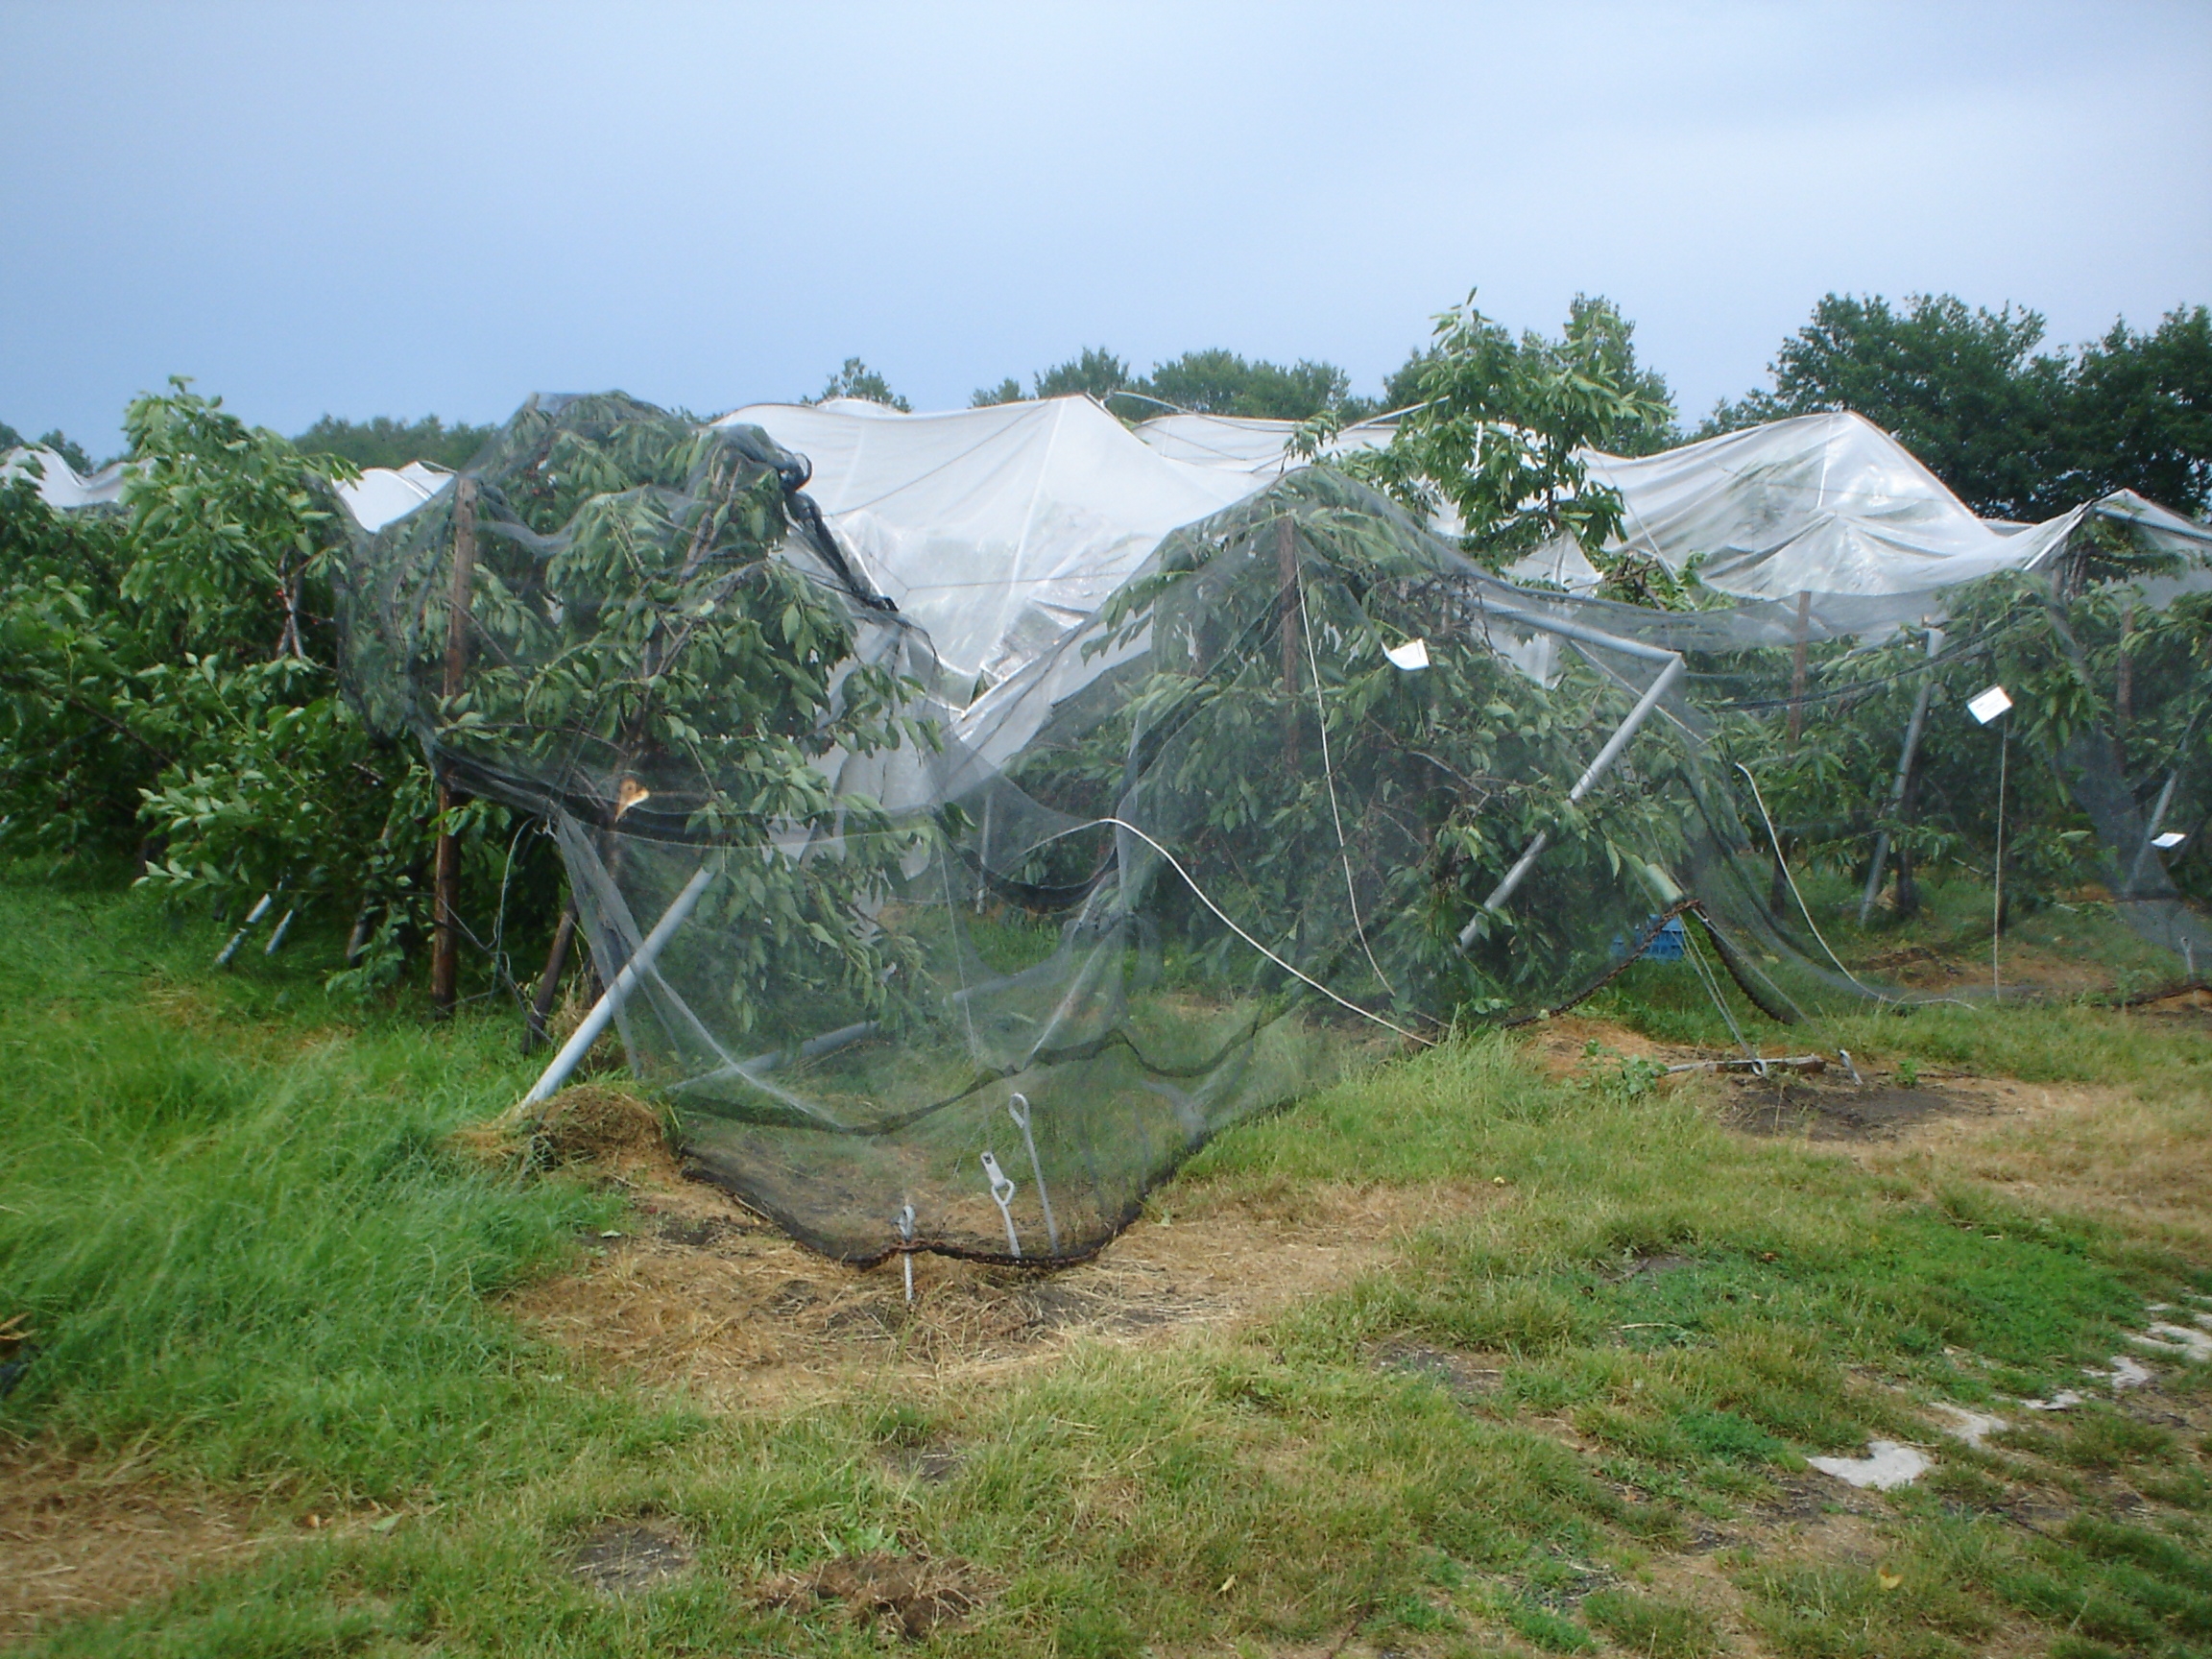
x,y
855,379
61,443
2139,417
383,442
171,688
1094,372
1964,388
1220,382
2015,431
1352,813
647,659
1008,391
1501,430
1595,327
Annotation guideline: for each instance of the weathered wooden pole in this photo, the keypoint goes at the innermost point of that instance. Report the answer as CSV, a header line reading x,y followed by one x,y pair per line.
x,y
549,982
1798,670
1778,886
1899,790
446,933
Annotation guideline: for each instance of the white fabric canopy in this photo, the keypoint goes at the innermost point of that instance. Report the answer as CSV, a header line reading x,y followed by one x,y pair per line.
x,y
384,493
379,496
994,529
61,487
1821,504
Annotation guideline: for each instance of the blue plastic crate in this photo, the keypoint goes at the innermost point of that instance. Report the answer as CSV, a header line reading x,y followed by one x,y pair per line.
x,y
1666,944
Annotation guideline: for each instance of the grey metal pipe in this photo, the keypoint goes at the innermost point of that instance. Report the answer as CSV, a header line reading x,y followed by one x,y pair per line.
x,y
611,999
1575,630
1596,770
2151,830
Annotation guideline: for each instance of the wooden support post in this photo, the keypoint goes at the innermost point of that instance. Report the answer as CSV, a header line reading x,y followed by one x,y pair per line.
x,y
1778,888
2124,687
1798,670
446,934
549,982
1286,568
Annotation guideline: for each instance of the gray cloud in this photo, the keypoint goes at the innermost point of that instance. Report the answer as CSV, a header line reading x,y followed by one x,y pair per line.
x,y
403,209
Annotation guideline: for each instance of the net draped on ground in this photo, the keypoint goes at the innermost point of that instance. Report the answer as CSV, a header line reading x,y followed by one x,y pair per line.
x,y
1007,946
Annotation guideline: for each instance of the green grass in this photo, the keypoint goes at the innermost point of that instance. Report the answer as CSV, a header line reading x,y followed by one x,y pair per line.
x,y
251,1260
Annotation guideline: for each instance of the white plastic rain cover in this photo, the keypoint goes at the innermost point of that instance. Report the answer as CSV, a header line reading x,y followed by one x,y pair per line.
x,y
994,529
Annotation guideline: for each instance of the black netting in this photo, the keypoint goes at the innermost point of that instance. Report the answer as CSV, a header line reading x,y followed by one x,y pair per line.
x,y
1251,825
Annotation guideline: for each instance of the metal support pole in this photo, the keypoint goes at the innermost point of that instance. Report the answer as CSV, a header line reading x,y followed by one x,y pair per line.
x,y
610,1001
1596,769
1904,759
2151,830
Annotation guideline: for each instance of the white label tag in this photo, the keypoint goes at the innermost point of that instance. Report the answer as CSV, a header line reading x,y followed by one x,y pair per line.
x,y
1413,655
2172,839
1991,703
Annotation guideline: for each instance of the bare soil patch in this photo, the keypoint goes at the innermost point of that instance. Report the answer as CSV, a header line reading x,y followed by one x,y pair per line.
x,y
905,1595
1825,1109
625,1557
1561,1045
79,1541
706,1294
1465,1377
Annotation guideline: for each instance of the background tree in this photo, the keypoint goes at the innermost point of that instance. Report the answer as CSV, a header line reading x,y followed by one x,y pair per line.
x,y
1216,382
1499,431
2139,415
1220,382
2015,431
1596,330
1095,372
383,442
56,441
855,379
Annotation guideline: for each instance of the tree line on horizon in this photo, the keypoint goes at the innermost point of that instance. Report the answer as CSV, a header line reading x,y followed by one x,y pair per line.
x,y
2018,429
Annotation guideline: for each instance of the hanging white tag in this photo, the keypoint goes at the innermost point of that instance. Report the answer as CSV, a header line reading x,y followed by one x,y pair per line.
x,y
2172,839
1991,703
1413,655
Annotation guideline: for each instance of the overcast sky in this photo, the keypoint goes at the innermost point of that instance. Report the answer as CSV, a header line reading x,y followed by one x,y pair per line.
x,y
384,209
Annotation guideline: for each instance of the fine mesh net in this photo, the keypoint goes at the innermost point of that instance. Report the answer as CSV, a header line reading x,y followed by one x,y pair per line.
x,y
1308,789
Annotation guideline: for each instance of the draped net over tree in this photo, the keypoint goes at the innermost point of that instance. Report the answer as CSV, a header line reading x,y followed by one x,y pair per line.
x,y
974,974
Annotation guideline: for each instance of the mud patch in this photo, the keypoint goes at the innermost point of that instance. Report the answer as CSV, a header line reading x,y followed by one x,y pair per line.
x,y
1829,1112
1465,1377
931,1465
626,1558
908,1596
79,1541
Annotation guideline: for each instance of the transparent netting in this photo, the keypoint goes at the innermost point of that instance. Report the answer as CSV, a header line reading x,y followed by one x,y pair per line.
x,y
972,967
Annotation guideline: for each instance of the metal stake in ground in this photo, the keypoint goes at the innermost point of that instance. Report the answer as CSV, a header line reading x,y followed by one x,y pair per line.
x,y
1002,1195
446,938
1018,1109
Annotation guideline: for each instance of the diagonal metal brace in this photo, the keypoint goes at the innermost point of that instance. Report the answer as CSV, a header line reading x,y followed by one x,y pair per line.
x,y
1589,781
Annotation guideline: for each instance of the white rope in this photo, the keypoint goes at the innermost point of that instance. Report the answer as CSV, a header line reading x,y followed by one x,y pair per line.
x,y
1329,776
1229,922
1774,836
1713,990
